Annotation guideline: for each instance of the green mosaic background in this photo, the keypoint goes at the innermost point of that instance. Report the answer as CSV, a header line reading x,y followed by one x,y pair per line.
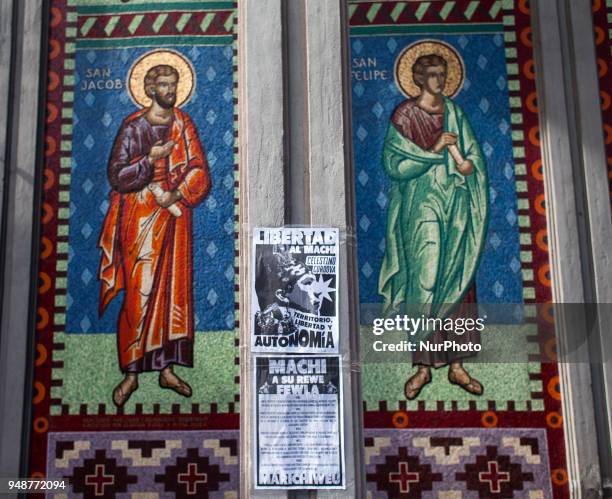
x,y
90,373
503,381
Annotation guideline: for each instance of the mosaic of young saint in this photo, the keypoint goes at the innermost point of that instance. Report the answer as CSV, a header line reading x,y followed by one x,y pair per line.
x,y
437,218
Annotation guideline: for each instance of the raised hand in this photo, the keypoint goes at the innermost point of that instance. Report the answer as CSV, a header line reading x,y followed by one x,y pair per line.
x,y
445,140
160,150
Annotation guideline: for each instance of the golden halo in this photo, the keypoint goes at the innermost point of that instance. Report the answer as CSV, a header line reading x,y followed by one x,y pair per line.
x,y
136,76
403,67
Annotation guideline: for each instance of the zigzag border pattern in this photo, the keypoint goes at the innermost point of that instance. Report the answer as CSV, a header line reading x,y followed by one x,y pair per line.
x,y
152,24
424,12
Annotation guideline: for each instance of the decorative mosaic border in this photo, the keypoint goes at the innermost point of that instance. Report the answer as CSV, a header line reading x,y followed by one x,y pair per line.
x,y
236,157
457,463
517,120
51,306
475,17
411,13
146,464
602,21
97,24
66,25
63,212
236,152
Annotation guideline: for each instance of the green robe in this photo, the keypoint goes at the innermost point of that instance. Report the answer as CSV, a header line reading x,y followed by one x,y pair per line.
x,y
437,220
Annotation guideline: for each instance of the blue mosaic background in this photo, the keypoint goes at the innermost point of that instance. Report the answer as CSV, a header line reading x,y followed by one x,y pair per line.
x,y
97,117
484,98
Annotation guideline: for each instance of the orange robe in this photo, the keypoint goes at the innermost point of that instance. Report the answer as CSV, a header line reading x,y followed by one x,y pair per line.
x,y
147,252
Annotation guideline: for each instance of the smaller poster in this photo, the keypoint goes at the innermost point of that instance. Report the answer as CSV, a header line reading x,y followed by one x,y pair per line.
x,y
298,423
294,295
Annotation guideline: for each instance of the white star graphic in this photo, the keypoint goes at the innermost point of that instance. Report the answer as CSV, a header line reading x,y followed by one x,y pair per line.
x,y
322,288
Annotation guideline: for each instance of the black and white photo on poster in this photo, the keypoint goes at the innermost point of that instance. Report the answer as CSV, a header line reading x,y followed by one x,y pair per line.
x,y
298,422
294,295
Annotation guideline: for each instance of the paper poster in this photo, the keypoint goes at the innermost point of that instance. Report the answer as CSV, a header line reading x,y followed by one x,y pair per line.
x,y
294,295
298,423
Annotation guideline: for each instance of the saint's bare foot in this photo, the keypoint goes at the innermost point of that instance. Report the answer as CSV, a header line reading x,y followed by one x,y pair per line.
x,y
124,389
167,379
457,375
416,382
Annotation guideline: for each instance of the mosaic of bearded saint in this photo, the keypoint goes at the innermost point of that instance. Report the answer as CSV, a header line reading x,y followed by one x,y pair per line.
x,y
158,173
438,205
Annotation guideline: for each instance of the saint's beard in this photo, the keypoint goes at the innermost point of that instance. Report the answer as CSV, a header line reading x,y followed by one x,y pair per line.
x,y
165,101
